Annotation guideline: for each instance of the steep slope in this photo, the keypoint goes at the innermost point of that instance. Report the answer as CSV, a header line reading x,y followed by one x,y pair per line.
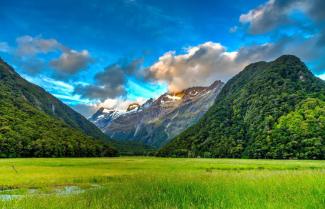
x,y
157,121
47,103
34,123
263,101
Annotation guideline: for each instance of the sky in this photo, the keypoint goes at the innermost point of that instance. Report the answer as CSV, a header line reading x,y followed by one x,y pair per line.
x,y
98,53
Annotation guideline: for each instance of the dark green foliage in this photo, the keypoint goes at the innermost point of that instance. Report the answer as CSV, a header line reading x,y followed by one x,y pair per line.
x,y
45,102
302,130
29,127
253,110
131,148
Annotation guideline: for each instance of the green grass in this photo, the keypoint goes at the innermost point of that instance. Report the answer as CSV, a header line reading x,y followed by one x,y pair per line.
x,y
139,182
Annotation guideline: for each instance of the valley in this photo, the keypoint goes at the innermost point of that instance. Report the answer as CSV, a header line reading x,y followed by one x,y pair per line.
x,y
142,104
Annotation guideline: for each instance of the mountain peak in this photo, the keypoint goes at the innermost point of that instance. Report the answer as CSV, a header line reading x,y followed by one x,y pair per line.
x,y
158,120
215,84
98,113
288,59
246,118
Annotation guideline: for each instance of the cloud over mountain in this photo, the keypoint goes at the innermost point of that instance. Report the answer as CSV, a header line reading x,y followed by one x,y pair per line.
x,y
109,83
206,63
299,22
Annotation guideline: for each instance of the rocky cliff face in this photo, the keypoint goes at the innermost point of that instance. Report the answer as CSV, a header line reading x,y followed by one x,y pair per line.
x,y
157,121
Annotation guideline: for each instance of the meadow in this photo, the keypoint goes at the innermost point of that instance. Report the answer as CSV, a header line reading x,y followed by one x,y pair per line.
x,y
147,182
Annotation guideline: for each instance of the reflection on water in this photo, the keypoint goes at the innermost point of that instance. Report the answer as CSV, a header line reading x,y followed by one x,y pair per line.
x,y
7,195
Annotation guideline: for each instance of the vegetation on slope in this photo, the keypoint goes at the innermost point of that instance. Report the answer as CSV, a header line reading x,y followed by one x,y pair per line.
x,y
131,148
302,130
255,113
28,130
45,102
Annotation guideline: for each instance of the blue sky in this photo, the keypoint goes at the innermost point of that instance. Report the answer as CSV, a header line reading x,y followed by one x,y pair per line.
x,y
107,53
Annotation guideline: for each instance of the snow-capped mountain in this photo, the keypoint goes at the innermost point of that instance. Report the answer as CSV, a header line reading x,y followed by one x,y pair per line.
x,y
157,121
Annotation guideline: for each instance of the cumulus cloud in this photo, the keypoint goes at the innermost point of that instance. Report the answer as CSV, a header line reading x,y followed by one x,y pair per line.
x,y
110,83
30,46
277,12
30,50
308,42
71,61
205,63
32,65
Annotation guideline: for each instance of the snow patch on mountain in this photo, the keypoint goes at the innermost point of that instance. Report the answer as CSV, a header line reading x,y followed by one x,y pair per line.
x,y
156,121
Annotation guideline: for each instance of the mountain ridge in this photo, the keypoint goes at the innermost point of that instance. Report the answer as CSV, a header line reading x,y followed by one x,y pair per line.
x,y
155,121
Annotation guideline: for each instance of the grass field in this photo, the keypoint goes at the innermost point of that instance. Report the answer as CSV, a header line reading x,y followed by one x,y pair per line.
x,y
139,182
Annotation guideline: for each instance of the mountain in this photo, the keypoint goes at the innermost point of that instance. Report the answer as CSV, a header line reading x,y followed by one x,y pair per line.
x,y
157,121
269,110
34,123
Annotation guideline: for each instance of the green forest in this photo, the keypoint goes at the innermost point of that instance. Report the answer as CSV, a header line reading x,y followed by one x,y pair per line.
x,y
28,130
269,110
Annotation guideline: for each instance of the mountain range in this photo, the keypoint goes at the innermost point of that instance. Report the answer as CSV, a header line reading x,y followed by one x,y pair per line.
x,y
269,110
157,121
33,123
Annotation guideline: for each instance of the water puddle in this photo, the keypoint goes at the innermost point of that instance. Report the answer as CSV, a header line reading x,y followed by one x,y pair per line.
x,y
13,194
69,190
9,196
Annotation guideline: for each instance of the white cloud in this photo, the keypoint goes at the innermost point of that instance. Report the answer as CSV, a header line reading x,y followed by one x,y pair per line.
x,y
30,46
71,99
273,13
200,65
50,84
110,83
29,51
203,64
269,15
71,61
306,43
59,89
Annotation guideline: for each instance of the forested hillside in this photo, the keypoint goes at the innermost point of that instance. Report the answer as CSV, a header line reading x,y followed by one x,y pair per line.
x,y
269,110
45,102
33,123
